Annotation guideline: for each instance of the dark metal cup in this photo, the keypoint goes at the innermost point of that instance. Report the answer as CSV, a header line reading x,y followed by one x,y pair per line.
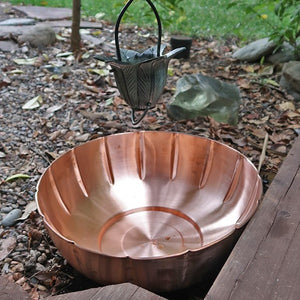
x,y
140,77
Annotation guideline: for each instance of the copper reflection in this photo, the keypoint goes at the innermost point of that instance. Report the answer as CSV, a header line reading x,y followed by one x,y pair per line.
x,y
157,209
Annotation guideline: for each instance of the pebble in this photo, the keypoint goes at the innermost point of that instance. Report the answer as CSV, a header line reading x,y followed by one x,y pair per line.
x,y
11,218
21,202
6,209
42,258
22,238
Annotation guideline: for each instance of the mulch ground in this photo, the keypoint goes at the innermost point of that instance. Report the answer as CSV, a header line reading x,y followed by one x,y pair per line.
x,y
77,101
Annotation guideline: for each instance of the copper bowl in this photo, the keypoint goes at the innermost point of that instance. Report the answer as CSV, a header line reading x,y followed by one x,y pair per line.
x,y
158,209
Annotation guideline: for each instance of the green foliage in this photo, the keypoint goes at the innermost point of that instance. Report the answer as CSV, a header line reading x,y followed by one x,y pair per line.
x,y
285,26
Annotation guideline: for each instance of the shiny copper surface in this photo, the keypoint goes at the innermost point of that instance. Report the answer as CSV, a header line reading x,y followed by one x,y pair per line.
x,y
157,209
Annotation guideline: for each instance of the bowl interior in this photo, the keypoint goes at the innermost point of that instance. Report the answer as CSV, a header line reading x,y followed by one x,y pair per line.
x,y
148,194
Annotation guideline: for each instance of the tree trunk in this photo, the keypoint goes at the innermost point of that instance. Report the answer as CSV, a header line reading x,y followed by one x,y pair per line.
x,y
75,36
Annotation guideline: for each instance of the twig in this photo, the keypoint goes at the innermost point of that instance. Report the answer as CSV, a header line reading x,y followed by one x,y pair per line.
x,y
263,152
40,154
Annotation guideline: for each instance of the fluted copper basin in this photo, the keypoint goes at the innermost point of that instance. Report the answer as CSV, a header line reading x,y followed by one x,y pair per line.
x,y
156,209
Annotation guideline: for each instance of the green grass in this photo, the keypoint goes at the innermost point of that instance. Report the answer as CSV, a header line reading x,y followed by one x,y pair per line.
x,y
201,18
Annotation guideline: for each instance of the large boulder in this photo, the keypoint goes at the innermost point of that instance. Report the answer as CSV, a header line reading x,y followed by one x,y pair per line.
x,y
290,78
255,50
39,36
198,95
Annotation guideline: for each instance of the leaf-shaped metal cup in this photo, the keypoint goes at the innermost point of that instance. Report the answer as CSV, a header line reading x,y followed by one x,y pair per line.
x,y
140,77
141,84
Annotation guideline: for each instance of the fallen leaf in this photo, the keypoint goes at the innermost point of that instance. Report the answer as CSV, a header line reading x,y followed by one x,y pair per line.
x,y
17,176
259,122
54,135
286,106
82,138
30,207
272,82
33,103
292,114
101,72
279,148
91,115
7,245
16,71
109,101
25,61
23,151
266,70
248,69
64,54
259,132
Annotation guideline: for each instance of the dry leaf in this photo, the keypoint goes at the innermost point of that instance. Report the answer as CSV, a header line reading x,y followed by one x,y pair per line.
x,y
33,103
286,106
30,207
7,245
25,61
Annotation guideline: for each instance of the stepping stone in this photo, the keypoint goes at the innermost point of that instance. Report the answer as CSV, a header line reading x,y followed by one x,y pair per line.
x,y
17,22
8,46
45,13
68,23
6,31
10,290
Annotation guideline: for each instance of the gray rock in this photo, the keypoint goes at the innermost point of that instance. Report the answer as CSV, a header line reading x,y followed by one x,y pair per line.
x,y
284,54
11,218
255,50
17,22
290,78
39,36
198,95
8,46
6,209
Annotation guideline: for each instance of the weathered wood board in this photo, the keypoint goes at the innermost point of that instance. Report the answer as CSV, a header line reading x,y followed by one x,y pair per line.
x,y
265,263
124,291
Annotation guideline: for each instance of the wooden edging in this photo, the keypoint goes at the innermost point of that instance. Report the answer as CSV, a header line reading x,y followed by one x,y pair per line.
x,y
265,263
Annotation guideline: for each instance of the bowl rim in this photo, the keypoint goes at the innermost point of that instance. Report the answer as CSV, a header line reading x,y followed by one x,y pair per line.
x,y
258,189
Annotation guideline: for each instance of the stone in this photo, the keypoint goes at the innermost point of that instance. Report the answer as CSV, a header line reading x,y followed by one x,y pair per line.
x,y
198,95
39,36
284,54
11,218
44,13
6,209
255,50
8,46
11,290
17,22
68,23
290,78
7,31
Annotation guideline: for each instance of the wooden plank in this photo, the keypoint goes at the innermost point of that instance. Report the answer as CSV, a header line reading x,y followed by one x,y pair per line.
x,y
265,263
124,291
